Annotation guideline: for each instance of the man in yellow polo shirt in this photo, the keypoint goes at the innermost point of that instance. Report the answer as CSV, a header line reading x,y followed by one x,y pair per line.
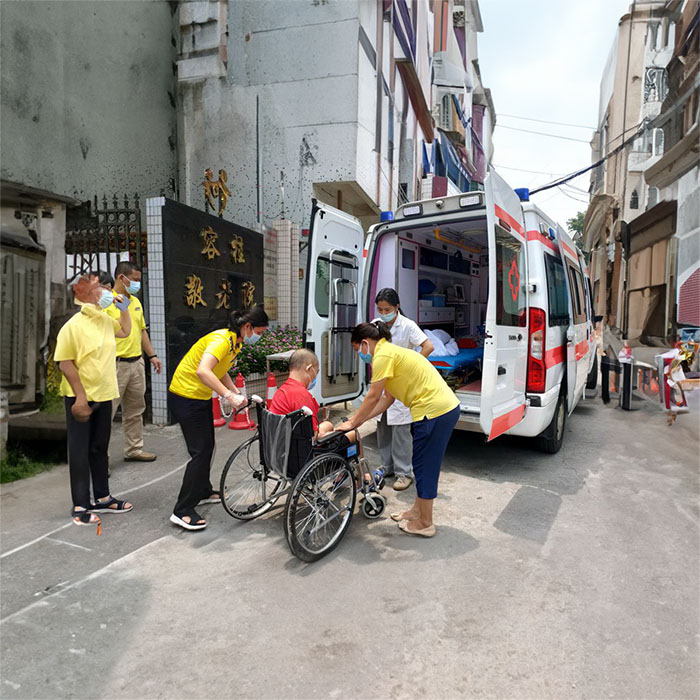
x,y
85,353
130,364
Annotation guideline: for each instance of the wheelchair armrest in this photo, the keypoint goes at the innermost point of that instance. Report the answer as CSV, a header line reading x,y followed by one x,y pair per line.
x,y
330,436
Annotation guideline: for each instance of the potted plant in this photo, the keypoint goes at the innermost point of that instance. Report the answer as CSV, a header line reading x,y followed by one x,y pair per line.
x,y
252,359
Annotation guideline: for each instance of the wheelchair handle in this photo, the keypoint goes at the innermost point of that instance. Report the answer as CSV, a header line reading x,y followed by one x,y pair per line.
x,y
254,399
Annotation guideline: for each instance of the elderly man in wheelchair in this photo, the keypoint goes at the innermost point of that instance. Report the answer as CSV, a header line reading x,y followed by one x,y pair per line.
x,y
318,468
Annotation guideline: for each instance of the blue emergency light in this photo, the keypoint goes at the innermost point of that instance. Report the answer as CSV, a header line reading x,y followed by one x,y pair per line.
x,y
523,194
386,216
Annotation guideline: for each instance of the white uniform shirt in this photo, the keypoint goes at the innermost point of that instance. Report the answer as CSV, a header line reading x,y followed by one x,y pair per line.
x,y
406,334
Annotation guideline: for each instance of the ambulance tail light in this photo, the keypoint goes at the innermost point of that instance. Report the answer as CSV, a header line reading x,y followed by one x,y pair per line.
x,y
536,369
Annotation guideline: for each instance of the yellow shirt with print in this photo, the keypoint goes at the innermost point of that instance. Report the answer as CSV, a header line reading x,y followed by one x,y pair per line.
x,y
412,380
131,346
88,339
220,343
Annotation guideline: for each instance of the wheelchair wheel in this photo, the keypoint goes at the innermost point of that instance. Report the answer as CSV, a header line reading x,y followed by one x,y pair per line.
x,y
373,505
319,507
248,489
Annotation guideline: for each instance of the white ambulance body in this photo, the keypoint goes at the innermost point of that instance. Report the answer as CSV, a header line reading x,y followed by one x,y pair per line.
x,y
504,277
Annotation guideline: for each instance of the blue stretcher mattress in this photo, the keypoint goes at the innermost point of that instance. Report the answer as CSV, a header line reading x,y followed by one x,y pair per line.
x,y
464,358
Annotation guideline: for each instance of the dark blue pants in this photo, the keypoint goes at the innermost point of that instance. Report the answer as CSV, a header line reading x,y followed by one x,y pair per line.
x,y
430,438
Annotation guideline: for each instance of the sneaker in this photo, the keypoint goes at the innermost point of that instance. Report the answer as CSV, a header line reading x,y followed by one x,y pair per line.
x,y
402,482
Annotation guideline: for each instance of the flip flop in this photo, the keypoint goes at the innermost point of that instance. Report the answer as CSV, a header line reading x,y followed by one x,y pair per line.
x,y
425,532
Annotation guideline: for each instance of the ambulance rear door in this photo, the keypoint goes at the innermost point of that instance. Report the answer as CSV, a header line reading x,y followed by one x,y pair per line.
x,y
505,347
332,308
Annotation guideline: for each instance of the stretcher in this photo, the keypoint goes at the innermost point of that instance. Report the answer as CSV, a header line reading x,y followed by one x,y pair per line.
x,y
466,357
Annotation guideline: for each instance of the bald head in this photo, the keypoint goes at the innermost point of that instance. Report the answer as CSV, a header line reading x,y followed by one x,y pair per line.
x,y
301,359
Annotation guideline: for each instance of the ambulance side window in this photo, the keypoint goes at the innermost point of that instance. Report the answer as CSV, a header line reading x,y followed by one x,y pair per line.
x,y
510,280
556,292
578,300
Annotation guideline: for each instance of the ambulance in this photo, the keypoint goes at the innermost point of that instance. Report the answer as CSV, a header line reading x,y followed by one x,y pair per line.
x,y
494,276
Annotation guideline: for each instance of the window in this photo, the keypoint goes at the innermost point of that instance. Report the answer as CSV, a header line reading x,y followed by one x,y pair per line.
x,y
634,200
510,280
322,286
408,259
577,298
556,292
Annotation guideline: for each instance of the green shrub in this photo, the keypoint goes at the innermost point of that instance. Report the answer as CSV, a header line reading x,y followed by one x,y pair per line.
x,y
252,358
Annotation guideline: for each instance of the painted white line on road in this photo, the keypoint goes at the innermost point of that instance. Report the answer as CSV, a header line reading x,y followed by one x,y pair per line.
x,y
63,527
85,579
70,544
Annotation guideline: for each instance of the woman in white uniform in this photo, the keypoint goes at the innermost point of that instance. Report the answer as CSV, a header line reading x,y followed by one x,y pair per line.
x,y
394,427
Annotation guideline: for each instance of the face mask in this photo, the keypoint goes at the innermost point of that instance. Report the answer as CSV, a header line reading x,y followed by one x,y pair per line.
x,y
106,298
365,357
133,287
251,339
387,318
312,383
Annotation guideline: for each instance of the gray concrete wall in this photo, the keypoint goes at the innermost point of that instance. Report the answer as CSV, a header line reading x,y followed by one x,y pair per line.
x,y
301,60
86,96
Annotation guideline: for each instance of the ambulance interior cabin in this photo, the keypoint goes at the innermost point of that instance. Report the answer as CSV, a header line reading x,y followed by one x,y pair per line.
x,y
441,276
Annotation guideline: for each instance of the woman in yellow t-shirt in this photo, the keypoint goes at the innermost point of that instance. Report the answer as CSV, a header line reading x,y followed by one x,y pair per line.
x,y
400,373
202,370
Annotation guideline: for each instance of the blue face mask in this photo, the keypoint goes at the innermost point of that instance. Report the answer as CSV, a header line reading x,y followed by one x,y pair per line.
x,y
365,356
133,287
106,298
251,339
312,383
388,318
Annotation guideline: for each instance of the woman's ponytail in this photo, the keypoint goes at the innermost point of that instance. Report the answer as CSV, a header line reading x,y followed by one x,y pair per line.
x,y
377,330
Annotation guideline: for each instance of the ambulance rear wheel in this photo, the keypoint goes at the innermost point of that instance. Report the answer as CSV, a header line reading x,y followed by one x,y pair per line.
x,y
551,439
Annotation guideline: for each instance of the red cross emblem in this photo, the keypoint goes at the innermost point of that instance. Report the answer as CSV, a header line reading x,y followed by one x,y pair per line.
x,y
514,280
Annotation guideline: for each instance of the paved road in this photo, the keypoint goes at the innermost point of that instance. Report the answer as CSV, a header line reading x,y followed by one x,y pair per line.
x,y
566,576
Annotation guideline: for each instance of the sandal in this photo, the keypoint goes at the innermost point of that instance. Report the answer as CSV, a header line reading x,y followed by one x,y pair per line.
x,y
113,505
214,498
84,517
196,522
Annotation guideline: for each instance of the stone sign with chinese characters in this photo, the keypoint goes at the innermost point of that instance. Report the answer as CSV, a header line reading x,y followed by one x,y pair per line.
x,y
210,267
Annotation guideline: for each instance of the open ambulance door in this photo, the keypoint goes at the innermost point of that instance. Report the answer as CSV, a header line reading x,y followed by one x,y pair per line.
x,y
332,306
569,258
504,372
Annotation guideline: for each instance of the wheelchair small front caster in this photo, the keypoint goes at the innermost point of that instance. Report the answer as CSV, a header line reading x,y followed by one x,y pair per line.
x,y
373,505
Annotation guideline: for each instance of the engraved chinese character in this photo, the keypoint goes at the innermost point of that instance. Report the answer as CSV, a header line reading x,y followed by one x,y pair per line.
x,y
247,289
193,292
209,237
237,250
216,193
224,295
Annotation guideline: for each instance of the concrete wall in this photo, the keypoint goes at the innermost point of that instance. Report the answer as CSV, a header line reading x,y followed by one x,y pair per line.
x,y
88,96
301,61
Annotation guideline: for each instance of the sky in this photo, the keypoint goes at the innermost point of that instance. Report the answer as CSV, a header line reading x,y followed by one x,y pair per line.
x,y
544,59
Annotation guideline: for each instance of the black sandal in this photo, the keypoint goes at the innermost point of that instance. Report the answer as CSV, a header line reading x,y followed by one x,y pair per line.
x,y
105,506
194,523
84,517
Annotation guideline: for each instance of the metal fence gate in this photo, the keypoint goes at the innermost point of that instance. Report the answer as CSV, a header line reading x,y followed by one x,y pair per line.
x,y
97,238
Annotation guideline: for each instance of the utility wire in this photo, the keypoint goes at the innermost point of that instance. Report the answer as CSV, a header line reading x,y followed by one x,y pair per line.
x,y
544,121
542,133
576,174
535,172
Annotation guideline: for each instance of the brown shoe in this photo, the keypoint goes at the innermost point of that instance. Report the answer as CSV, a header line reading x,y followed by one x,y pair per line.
x,y
141,457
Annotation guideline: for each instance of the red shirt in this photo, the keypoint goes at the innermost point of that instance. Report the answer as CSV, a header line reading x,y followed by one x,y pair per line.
x,y
291,396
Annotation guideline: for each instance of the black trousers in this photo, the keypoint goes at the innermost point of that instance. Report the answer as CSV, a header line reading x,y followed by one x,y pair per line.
x,y
197,422
87,452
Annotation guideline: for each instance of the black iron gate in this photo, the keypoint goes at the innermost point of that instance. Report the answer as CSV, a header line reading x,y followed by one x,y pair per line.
x,y
100,237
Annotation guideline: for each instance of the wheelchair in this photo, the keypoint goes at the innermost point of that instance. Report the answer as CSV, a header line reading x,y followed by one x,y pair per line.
x,y
321,487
